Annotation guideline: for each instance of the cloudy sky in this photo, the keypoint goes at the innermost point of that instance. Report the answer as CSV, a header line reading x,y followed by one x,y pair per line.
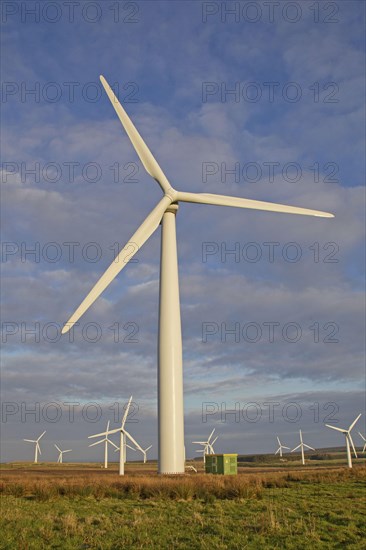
x,y
251,99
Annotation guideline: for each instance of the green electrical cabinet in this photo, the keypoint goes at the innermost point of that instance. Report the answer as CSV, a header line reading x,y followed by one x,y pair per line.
x,y
226,464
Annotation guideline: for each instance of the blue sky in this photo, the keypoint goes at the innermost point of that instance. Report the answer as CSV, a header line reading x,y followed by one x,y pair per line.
x,y
176,59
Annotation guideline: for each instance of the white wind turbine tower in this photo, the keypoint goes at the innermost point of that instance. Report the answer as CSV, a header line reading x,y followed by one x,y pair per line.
x,y
37,447
170,376
105,440
279,450
59,460
207,446
125,447
364,438
349,440
302,445
123,434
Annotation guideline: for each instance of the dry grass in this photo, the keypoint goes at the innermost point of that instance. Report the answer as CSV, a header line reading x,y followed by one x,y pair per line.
x,y
45,486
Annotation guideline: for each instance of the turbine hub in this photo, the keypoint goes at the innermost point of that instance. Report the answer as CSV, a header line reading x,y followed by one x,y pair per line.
x,y
172,194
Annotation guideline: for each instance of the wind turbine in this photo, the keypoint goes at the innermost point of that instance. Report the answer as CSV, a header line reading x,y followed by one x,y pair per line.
x,y
144,452
279,450
207,446
105,440
37,448
349,440
59,460
123,434
364,438
302,445
170,375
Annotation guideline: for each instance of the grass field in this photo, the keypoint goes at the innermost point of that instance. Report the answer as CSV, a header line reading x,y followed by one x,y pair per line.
x,y
82,506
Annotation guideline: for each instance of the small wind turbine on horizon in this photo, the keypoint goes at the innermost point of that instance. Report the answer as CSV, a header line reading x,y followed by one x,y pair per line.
x,y
144,452
123,434
59,460
301,446
279,450
37,448
105,440
170,373
364,445
207,446
349,440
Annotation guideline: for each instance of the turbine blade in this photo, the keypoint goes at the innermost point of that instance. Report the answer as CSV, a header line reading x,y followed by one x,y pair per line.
x,y
97,443
45,432
211,434
353,445
126,412
133,441
278,450
129,447
68,451
30,440
338,429
148,448
58,448
354,422
295,449
112,443
359,433
278,439
283,447
105,433
224,200
39,448
309,447
145,231
150,164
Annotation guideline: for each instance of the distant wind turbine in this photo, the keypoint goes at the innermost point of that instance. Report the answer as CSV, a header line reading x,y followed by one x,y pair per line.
x,y
59,460
301,446
349,440
123,434
279,450
207,446
144,452
170,369
364,438
37,448
105,440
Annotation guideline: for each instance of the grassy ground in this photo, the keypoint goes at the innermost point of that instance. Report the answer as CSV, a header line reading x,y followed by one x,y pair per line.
x,y
284,510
